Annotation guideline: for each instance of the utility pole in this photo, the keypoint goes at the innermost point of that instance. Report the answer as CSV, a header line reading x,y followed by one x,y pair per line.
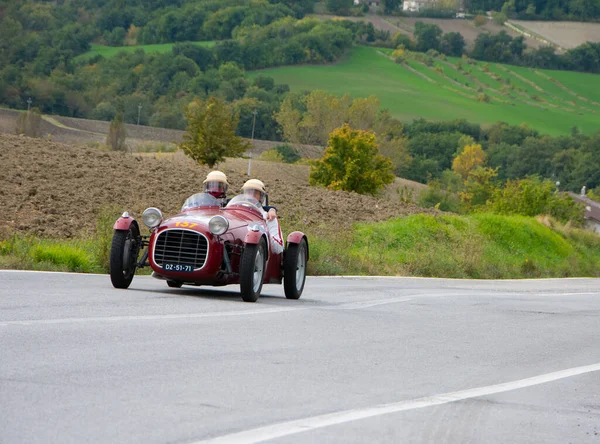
x,y
29,102
139,113
252,139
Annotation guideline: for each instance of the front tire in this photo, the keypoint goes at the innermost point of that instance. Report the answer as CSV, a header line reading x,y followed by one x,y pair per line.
x,y
123,256
294,269
174,284
252,270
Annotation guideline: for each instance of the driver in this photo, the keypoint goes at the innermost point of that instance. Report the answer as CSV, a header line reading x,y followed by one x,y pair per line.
x,y
256,189
216,185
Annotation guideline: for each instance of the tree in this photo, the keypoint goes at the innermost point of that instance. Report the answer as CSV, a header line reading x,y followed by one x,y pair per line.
x,y
28,123
479,187
427,37
472,156
499,18
210,134
117,134
352,162
479,20
390,6
339,6
453,44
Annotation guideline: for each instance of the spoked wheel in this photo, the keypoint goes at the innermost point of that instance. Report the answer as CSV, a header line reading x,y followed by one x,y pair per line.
x,y
294,269
252,271
174,284
123,256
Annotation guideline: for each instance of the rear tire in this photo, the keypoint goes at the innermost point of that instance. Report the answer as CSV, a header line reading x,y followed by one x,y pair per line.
x,y
294,269
123,256
252,270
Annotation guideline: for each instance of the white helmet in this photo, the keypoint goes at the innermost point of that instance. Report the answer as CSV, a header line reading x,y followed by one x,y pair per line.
x,y
216,184
253,185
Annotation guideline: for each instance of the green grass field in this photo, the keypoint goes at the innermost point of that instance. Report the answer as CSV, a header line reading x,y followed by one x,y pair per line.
x,y
110,51
551,109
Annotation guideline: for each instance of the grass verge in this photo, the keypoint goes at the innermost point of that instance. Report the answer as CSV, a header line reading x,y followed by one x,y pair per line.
x,y
483,246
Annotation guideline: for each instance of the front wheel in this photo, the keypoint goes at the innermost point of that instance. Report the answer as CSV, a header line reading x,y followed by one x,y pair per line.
x,y
123,256
294,269
252,270
174,284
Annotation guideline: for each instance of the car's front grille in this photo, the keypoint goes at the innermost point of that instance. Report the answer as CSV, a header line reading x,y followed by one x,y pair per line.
x,y
181,247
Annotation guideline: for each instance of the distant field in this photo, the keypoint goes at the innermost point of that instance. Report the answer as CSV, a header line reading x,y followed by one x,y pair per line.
x,y
469,31
564,34
110,51
406,25
550,101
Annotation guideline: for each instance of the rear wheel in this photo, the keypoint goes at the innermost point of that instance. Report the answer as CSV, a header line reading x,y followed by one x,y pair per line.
x,y
294,269
252,270
123,256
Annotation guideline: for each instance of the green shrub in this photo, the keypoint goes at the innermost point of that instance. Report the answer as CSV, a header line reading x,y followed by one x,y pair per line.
x,y
271,156
288,153
72,258
531,197
156,147
435,197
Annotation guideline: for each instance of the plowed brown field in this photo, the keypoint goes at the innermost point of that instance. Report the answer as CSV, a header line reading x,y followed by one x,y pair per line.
x,y
53,190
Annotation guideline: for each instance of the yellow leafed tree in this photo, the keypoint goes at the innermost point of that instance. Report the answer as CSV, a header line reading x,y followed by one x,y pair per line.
x,y
471,157
352,162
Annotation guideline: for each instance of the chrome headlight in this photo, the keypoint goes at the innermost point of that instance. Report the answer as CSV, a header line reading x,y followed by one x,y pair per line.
x,y
218,225
152,217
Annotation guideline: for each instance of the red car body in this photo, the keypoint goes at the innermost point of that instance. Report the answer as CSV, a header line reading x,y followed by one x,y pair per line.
x,y
184,251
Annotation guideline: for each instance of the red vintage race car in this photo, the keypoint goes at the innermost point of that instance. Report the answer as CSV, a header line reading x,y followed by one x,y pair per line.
x,y
206,244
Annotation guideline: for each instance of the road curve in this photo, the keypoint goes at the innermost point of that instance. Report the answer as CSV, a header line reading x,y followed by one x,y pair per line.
x,y
355,360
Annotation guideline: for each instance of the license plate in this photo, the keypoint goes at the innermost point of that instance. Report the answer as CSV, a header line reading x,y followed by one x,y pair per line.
x,y
178,267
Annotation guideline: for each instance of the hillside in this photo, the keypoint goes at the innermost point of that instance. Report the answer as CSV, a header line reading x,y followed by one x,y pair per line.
x,y
55,190
442,92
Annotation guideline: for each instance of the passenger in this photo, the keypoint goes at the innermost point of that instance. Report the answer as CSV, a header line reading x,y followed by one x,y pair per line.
x,y
216,185
256,189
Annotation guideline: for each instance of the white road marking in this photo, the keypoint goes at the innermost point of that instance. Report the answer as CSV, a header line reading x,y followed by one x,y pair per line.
x,y
184,316
266,433
373,303
350,276
150,317
54,272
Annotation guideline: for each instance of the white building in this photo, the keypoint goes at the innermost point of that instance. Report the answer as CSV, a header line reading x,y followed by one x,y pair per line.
x,y
416,5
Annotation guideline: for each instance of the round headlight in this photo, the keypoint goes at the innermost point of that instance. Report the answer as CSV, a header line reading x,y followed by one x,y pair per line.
x,y
218,225
152,217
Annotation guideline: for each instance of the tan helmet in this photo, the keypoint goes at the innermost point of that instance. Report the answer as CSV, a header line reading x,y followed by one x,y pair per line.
x,y
216,184
255,185
217,176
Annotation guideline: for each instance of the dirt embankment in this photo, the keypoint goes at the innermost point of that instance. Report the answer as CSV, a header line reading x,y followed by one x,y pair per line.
x,y
54,190
74,131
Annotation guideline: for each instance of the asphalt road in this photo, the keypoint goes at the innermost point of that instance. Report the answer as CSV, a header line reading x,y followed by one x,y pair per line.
x,y
355,360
